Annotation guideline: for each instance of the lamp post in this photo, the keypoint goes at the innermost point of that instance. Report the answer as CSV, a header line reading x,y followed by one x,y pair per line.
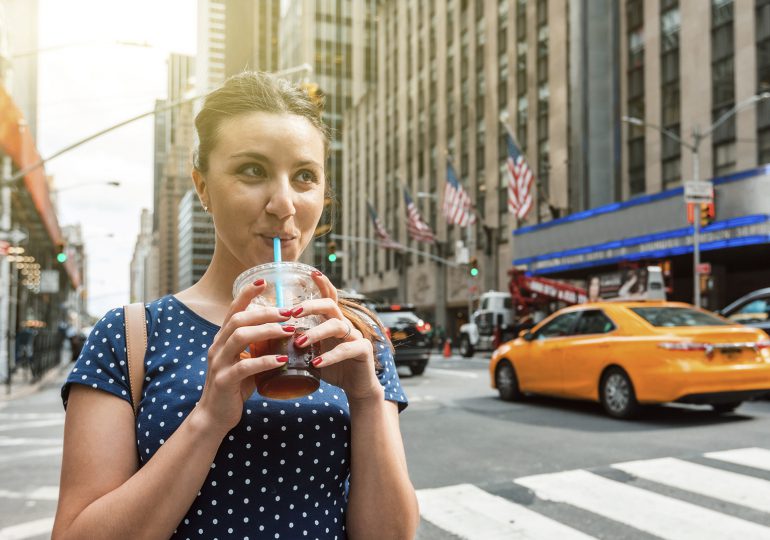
x,y
112,183
694,148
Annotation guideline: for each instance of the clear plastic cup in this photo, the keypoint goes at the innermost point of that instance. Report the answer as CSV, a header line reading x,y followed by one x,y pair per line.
x,y
298,377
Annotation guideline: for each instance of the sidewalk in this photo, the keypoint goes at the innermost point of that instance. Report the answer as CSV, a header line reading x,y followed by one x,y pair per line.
x,y
21,385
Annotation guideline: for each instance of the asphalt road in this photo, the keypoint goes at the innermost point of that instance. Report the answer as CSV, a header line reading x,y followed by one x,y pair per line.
x,y
487,469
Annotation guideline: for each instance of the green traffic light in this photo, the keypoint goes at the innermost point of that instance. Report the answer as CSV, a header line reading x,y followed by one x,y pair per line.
x,y
474,272
61,257
332,257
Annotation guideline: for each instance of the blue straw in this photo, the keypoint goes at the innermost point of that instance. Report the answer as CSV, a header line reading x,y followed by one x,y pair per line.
x,y
277,258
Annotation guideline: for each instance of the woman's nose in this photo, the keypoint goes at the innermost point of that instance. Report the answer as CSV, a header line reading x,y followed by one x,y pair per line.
x,y
281,202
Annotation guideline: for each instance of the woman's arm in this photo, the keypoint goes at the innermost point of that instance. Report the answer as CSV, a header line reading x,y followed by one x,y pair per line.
x,y
102,495
382,501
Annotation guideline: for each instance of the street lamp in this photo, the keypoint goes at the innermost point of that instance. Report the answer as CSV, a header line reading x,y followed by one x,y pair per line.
x,y
112,183
694,148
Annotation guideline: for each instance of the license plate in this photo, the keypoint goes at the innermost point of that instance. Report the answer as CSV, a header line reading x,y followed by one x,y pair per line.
x,y
399,336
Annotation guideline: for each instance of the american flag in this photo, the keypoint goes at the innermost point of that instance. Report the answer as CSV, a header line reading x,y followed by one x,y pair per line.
x,y
383,238
418,229
457,203
520,180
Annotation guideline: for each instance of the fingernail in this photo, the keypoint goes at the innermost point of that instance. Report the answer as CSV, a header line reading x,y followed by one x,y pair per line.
x,y
297,311
253,350
288,329
316,273
301,340
259,282
282,359
317,360
285,312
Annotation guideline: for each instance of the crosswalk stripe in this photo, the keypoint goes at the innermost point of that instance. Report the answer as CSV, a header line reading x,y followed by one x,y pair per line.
x,y
32,424
647,511
759,458
718,484
27,530
43,452
471,513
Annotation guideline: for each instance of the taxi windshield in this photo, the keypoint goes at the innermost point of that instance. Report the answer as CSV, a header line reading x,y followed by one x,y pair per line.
x,y
677,316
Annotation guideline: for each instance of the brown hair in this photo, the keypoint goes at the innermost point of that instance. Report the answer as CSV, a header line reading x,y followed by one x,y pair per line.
x,y
257,91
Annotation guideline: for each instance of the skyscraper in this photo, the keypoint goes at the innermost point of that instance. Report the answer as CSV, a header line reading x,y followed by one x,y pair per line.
x,y
196,240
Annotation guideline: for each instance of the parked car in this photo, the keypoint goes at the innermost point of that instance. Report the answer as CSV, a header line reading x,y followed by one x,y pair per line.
x,y
409,335
623,354
751,310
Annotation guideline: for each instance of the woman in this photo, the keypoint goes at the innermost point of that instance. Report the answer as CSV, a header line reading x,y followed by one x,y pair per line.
x,y
215,459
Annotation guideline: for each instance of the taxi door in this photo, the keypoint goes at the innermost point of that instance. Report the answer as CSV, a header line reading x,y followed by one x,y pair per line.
x,y
588,352
539,367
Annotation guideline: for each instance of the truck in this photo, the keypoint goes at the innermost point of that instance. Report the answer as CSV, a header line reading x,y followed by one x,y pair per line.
x,y
502,315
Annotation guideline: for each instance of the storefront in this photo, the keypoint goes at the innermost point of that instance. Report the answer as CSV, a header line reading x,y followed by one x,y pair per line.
x,y
653,229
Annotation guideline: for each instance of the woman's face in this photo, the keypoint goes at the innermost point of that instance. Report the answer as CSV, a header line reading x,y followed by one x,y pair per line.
x,y
265,179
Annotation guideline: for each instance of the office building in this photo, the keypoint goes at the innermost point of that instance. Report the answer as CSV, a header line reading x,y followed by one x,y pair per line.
x,y
196,240
139,286
210,56
251,35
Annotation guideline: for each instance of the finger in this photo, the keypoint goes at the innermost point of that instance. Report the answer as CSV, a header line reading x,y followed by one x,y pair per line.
x,y
360,349
242,337
327,288
253,317
332,328
244,298
251,366
327,307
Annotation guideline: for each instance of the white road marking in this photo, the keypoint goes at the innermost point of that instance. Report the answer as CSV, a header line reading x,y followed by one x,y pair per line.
x,y
471,513
27,530
28,441
759,458
718,484
33,424
30,416
455,373
647,511
45,493
31,454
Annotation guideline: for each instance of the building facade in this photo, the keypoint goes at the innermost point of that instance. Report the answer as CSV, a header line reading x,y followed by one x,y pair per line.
x,y
567,74
139,285
251,35
210,56
196,240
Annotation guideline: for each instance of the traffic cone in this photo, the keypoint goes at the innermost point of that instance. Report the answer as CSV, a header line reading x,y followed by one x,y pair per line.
x,y
447,349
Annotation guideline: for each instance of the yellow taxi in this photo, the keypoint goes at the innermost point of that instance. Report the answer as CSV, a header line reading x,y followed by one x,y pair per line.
x,y
623,354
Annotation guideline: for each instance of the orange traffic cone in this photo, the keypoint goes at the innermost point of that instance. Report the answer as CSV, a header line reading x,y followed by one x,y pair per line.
x,y
447,349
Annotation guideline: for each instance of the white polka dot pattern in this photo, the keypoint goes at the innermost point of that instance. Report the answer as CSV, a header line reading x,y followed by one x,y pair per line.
x,y
282,472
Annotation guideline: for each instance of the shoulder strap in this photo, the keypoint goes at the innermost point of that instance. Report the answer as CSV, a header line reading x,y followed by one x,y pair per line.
x,y
136,347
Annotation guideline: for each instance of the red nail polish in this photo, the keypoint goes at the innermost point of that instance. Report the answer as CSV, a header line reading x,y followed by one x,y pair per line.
x,y
317,360
259,282
285,312
288,329
301,340
297,311
282,359
316,273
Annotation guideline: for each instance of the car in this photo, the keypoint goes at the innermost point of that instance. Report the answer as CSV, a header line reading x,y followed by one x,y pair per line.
x,y
751,310
409,335
623,354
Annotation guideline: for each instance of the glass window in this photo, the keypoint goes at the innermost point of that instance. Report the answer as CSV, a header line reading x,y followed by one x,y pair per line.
x,y
397,318
756,311
594,321
560,326
676,316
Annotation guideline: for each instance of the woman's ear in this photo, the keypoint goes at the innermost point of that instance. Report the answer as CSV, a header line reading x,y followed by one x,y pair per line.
x,y
201,188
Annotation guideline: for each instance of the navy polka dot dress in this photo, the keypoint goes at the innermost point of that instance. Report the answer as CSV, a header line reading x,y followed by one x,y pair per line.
x,y
282,472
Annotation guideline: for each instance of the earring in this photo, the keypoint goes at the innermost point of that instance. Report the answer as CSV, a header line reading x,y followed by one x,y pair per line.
x,y
205,208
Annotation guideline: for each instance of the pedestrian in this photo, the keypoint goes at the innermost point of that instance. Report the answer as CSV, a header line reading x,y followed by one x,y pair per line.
x,y
206,456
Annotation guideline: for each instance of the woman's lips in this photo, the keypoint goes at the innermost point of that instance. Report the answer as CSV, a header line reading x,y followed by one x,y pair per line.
x,y
284,241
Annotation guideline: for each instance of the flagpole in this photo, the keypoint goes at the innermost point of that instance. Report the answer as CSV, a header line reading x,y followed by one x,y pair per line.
x,y
471,246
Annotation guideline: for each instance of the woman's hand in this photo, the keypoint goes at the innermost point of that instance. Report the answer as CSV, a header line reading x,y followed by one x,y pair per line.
x,y
347,357
230,378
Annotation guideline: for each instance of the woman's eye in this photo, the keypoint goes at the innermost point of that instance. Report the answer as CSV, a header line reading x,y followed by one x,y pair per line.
x,y
306,176
252,170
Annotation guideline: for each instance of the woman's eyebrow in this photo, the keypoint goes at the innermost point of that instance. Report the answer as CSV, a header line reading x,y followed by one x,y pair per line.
x,y
252,155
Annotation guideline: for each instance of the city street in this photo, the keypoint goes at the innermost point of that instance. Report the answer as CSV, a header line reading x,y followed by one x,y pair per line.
x,y
486,469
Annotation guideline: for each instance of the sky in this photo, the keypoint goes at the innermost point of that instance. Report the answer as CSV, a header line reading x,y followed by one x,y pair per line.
x,y
87,84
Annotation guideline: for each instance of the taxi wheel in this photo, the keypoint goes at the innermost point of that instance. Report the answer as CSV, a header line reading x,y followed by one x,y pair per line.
x,y
507,383
721,408
617,394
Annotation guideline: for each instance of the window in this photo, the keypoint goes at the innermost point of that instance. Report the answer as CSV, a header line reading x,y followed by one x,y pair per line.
x,y
763,79
594,322
560,326
722,85
635,100
670,90
756,311
671,316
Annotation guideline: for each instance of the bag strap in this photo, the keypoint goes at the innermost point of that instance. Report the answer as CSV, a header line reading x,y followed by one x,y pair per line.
x,y
136,348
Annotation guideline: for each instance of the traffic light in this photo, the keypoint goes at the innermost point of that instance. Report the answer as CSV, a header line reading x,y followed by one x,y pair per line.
x,y
473,267
315,94
707,214
331,250
61,253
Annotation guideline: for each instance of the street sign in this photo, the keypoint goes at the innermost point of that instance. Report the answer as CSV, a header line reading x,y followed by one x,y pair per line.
x,y
698,192
704,268
14,236
4,247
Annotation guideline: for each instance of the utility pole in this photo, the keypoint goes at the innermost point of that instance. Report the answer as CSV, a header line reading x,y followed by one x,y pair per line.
x,y
6,362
